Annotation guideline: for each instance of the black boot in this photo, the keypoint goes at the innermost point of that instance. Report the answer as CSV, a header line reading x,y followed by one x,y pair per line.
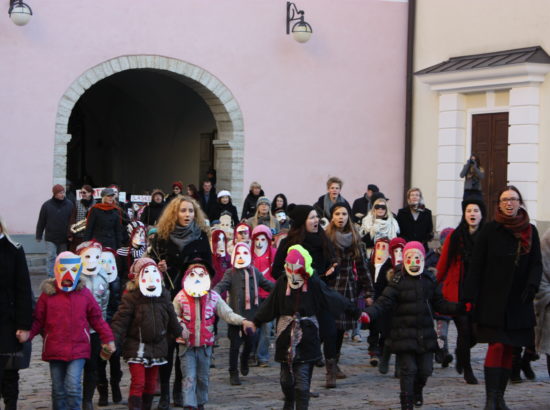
x,y
458,366
87,405
103,391
503,381
465,358
515,376
147,401
234,379
244,366
526,360
406,401
418,398
384,364
302,399
492,386
331,374
177,396
115,390
339,373
164,402
134,403
288,391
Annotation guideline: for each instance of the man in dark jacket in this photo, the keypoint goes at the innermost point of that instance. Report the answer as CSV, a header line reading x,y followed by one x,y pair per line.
x,y
361,206
208,199
54,219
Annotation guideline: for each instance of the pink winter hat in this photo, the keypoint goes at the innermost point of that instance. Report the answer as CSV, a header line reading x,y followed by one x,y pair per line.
x,y
414,245
138,266
262,229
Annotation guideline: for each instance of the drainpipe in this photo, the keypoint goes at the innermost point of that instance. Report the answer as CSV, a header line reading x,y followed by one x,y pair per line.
x,y
409,97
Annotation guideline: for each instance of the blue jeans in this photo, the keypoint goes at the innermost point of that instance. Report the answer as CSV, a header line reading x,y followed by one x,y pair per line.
x,y
263,343
195,368
66,384
53,250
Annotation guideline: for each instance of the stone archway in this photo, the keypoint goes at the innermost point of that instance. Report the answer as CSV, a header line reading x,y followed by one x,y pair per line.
x,y
229,145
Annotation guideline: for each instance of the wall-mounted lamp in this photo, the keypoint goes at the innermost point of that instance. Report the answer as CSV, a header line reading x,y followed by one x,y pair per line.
x,y
20,13
301,31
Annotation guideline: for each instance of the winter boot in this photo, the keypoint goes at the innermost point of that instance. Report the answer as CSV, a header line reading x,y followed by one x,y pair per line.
x,y
406,401
115,391
134,403
515,377
234,379
384,364
503,381
526,360
164,401
147,401
177,395
465,360
492,386
418,398
339,373
244,365
331,374
103,391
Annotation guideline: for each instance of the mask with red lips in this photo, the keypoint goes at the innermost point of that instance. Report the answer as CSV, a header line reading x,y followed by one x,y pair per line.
x,y
67,270
413,258
90,252
241,257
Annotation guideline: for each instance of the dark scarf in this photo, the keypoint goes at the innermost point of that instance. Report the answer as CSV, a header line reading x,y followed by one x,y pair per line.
x,y
184,235
520,227
343,240
87,202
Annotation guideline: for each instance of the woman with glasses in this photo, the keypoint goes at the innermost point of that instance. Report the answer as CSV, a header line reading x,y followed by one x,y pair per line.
x,y
379,223
503,278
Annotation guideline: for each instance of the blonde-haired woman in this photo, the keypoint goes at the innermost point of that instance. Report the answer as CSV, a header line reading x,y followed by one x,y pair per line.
x,y
104,221
379,222
182,235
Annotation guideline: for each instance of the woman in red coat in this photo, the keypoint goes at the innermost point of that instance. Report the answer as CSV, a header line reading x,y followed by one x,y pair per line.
x,y
451,272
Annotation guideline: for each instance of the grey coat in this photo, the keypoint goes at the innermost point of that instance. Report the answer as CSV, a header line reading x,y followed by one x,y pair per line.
x,y
473,182
233,281
98,285
542,300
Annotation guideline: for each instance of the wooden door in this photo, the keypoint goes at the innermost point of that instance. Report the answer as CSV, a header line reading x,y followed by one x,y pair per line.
x,y
490,144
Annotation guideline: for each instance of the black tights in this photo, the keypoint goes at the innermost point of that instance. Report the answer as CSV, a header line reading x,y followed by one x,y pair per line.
x,y
339,340
464,340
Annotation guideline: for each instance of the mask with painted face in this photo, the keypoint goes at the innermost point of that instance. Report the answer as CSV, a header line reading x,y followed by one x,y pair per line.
x,y
136,231
241,257
281,217
108,261
413,258
226,222
90,252
219,243
381,251
67,270
297,268
396,251
260,245
150,281
196,281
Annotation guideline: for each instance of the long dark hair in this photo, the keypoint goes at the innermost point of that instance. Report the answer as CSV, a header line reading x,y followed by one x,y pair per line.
x,y
274,207
461,241
297,236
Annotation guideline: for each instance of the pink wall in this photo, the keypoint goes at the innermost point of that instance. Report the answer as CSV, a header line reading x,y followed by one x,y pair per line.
x,y
332,106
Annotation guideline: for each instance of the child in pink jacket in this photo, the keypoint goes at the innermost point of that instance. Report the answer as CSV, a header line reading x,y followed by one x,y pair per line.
x,y
63,316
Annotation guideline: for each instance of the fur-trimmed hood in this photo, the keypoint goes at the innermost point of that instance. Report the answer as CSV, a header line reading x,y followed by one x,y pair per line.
x,y
49,286
132,285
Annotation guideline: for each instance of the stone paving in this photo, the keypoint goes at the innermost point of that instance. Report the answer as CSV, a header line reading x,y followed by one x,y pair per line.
x,y
363,388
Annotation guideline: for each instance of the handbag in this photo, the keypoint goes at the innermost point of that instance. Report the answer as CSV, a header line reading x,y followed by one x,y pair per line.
x,y
20,359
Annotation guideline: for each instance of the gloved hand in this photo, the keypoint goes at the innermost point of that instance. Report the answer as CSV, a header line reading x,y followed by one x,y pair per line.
x,y
528,294
365,318
468,307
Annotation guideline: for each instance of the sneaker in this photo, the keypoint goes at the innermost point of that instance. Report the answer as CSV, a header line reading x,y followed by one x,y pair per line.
x,y
357,338
263,364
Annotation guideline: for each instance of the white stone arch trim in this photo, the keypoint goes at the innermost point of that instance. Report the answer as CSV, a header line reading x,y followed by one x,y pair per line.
x,y
229,145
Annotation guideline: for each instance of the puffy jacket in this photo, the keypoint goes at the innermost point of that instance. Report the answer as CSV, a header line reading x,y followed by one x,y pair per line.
x,y
412,299
64,319
98,285
147,320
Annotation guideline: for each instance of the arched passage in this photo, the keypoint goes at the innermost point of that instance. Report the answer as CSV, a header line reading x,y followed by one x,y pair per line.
x,y
228,144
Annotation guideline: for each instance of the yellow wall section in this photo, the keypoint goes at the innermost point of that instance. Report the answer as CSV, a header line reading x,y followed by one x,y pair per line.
x,y
476,100
502,98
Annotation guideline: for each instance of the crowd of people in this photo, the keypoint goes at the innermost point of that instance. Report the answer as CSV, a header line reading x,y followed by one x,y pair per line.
x,y
148,288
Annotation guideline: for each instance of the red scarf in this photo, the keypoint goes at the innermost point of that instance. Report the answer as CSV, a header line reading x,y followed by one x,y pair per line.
x,y
105,207
520,227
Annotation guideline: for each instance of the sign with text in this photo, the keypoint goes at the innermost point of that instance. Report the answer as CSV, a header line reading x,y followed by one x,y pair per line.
x,y
140,198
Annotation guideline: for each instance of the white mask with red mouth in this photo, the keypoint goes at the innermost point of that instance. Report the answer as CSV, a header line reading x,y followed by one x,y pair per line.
x,y
90,252
241,257
260,245
413,258
220,245
150,281
196,281
381,251
108,262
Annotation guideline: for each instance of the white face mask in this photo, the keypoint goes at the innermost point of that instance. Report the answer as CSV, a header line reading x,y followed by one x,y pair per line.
x,y
398,255
220,246
150,282
197,282
91,261
414,262
226,223
381,252
108,261
295,279
242,257
138,240
281,217
260,245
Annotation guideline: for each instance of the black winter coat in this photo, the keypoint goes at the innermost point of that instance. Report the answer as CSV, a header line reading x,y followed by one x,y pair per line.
x,y
151,214
420,230
176,259
360,206
318,298
148,320
412,300
249,206
227,208
495,283
105,226
209,208
15,295
54,218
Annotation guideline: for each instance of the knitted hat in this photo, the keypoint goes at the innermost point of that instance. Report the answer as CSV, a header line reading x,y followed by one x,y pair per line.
x,y
263,200
262,230
477,202
443,235
243,226
378,195
414,245
298,214
397,243
237,246
179,184
57,189
133,227
373,188
138,266
224,193
337,205
157,191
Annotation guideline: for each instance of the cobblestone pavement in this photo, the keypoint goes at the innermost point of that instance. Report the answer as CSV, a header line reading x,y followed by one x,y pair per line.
x,y
363,388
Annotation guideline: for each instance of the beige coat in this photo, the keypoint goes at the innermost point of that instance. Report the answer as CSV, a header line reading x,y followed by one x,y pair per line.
x,y
542,300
